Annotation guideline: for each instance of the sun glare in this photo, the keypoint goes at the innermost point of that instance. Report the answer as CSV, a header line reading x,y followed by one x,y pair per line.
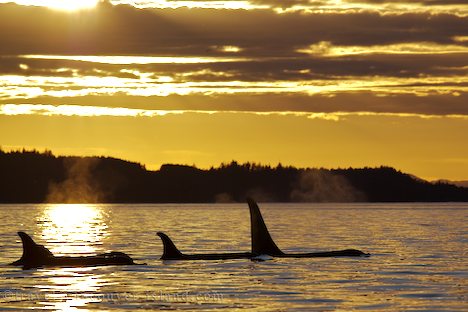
x,y
63,5
72,5
73,229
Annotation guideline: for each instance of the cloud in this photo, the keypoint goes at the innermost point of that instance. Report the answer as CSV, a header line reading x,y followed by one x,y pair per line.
x,y
288,3
284,4
306,67
127,30
243,4
436,104
174,4
99,111
72,76
415,48
422,2
218,59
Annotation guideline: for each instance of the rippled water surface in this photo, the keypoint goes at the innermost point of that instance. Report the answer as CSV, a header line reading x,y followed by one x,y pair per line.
x,y
418,260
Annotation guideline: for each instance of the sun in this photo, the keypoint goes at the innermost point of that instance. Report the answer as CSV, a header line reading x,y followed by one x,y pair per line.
x,y
63,5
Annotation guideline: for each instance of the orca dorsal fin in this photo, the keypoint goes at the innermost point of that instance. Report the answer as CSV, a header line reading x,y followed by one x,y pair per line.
x,y
262,243
170,249
32,252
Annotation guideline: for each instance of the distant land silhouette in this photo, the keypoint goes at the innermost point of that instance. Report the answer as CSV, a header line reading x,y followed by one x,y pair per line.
x,y
35,177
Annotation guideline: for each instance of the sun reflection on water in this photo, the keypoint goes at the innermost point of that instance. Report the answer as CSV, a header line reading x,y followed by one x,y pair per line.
x,y
71,289
72,229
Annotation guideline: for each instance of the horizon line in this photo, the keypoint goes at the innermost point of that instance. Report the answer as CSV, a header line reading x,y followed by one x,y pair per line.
x,y
47,151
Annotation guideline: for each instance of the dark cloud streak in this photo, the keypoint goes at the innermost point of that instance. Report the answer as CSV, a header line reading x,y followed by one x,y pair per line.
x,y
297,68
363,101
124,29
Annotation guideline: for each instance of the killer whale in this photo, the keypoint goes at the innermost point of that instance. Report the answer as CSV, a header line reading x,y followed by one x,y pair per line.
x,y
171,252
36,256
261,244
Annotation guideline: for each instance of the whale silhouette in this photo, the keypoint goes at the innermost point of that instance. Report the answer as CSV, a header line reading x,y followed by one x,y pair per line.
x,y
262,244
171,252
36,256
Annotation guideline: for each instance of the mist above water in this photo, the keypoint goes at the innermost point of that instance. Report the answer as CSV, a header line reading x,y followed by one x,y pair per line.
x,y
78,186
321,186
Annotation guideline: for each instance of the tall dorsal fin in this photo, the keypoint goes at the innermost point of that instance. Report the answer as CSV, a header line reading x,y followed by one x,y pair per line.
x,y
262,243
32,252
170,249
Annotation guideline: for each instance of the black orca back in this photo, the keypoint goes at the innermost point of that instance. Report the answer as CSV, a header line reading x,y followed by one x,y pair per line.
x,y
262,243
170,249
33,254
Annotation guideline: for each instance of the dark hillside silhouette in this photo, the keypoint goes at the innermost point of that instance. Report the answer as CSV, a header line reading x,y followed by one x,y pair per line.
x,y
34,177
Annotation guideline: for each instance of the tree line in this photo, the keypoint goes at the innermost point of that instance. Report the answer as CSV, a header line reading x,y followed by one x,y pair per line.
x,y
39,177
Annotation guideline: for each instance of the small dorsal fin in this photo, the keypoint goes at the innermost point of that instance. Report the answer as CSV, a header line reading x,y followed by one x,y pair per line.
x,y
32,252
262,243
170,249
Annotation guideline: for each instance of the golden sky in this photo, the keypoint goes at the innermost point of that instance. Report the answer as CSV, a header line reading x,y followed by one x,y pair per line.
x,y
307,83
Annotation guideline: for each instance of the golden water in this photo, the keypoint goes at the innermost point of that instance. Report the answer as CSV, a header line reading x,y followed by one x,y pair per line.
x,y
418,258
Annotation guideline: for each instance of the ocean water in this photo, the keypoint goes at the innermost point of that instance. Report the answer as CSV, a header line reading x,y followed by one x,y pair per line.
x,y
418,260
